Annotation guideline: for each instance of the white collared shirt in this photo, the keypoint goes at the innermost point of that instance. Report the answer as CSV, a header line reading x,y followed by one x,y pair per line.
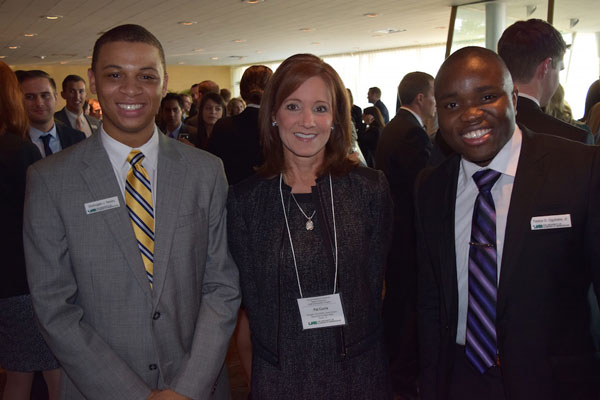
x,y
35,136
118,153
415,114
505,162
85,127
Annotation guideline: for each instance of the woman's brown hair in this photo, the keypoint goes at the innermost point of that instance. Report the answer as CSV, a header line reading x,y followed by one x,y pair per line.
x,y
292,73
13,117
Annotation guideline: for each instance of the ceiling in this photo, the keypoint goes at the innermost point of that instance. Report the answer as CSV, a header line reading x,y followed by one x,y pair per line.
x,y
233,32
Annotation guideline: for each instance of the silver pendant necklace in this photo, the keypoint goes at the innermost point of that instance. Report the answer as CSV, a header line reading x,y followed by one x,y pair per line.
x,y
309,222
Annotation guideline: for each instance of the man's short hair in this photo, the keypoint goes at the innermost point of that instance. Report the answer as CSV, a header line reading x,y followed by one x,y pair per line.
x,y
412,84
23,76
71,78
205,87
375,90
128,33
172,96
525,44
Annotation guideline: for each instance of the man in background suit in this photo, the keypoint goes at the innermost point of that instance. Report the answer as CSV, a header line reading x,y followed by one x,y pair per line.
x,y
402,152
39,91
73,91
126,245
374,97
533,51
504,270
171,117
236,139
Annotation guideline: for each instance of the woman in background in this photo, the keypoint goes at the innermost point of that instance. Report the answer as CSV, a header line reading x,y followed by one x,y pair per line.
x,y
22,348
310,235
369,137
235,106
212,108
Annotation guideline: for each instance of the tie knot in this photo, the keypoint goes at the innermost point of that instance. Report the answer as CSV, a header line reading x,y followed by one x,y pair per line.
x,y
485,179
134,157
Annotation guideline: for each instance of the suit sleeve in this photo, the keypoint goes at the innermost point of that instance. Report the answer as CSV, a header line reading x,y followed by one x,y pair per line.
x,y
94,368
593,231
216,319
428,305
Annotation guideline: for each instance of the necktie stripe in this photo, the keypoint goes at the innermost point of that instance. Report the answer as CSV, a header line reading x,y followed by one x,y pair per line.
x,y
481,340
138,198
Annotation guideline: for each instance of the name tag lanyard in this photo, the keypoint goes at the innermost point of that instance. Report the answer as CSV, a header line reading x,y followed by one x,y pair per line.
x,y
292,244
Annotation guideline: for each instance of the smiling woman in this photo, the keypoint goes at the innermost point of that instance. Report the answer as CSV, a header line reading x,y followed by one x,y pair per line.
x,y
310,234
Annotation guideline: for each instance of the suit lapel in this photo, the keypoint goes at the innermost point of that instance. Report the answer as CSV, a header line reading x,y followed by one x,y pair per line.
x,y
170,181
102,183
530,176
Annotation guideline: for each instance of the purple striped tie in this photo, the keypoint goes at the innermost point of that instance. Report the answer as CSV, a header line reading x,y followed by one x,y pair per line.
x,y
481,344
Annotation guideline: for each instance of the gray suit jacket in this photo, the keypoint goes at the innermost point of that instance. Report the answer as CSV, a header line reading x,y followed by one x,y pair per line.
x,y
62,117
115,337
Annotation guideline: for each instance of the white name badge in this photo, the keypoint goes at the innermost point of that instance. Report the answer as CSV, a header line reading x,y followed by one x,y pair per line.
x,y
551,222
321,311
101,205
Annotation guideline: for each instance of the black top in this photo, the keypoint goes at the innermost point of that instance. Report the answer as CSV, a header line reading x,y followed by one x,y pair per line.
x,y
16,154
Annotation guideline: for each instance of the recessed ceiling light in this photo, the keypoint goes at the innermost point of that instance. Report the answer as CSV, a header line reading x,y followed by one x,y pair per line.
x,y
30,34
214,58
239,40
52,17
307,29
198,50
89,57
181,63
370,15
41,57
259,51
187,23
13,47
2,56
63,62
253,1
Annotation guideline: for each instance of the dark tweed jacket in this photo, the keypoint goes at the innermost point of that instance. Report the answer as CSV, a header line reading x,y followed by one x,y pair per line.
x,y
256,230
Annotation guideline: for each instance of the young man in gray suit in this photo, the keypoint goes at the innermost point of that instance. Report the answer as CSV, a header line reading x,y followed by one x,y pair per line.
x,y
126,245
74,93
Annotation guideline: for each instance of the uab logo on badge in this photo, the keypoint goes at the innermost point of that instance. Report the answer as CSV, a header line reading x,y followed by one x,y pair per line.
x,y
312,323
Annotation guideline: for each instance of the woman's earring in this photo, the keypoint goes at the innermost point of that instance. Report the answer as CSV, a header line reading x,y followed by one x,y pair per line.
x,y
274,123
332,127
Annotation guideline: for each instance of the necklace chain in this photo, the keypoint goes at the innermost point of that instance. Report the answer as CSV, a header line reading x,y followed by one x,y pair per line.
x,y
310,225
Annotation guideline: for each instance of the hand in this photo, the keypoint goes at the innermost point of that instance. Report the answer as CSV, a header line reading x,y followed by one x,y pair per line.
x,y
167,394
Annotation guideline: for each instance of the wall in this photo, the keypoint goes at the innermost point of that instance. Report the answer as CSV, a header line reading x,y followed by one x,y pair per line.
x,y
181,77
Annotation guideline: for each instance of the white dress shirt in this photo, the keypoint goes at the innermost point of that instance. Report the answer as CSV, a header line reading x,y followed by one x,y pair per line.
x,y
35,136
505,162
118,153
85,126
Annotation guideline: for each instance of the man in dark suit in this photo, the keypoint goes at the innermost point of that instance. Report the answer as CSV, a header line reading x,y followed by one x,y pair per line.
x,y
236,139
533,51
402,152
374,97
74,93
48,135
507,241
171,117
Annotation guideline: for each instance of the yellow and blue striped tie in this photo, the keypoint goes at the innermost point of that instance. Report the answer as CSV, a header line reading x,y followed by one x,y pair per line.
x,y
138,197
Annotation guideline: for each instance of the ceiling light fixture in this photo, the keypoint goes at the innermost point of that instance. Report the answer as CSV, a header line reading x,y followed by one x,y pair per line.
x,y
52,17
253,1
198,50
2,56
181,63
30,34
63,62
307,29
370,15
239,40
187,23
13,47
214,58
41,57
259,51
389,31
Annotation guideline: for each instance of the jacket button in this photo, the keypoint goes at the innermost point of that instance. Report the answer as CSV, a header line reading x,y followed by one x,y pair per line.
x,y
152,367
156,316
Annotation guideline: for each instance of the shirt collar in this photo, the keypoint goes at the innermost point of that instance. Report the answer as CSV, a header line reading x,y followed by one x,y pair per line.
x,y
415,115
35,133
72,115
118,152
536,101
505,161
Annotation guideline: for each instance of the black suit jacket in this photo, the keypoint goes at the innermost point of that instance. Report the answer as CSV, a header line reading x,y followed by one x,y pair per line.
x,y
62,117
236,141
543,315
67,135
402,152
384,111
533,117
16,154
